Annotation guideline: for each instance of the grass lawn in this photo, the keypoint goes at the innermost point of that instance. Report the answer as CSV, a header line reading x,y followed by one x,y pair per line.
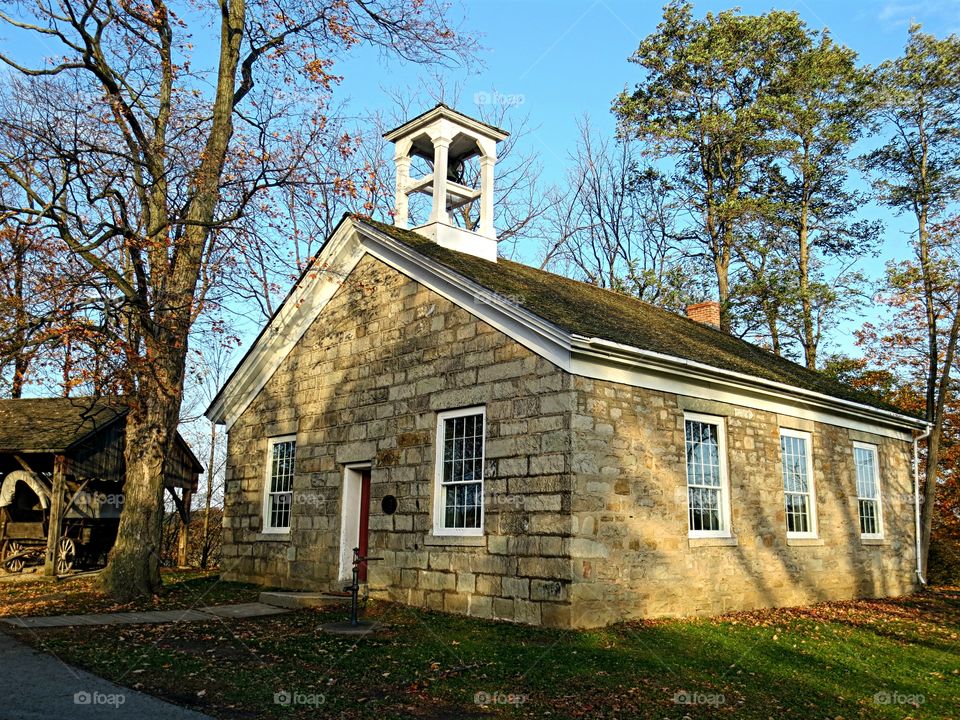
x,y
863,659
79,594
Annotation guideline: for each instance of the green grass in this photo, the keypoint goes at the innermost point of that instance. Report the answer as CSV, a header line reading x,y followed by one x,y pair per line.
x,y
828,661
80,594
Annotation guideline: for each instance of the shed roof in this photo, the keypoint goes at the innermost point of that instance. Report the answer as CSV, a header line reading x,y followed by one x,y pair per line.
x,y
56,425
53,425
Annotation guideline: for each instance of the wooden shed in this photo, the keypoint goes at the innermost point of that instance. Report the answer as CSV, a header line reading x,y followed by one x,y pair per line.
x,y
62,472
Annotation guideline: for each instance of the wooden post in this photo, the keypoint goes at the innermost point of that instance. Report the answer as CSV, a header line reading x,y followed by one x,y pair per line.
x,y
56,513
184,539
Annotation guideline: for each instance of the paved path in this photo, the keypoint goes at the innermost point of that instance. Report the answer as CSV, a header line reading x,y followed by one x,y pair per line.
x,y
36,686
240,610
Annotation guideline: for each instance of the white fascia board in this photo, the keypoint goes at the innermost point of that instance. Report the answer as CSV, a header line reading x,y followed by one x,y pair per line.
x,y
606,360
305,302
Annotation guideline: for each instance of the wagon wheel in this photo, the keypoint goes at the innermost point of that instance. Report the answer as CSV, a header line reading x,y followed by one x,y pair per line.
x,y
11,548
66,554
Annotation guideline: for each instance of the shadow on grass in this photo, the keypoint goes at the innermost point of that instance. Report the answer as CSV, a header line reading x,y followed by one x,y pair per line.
x,y
811,663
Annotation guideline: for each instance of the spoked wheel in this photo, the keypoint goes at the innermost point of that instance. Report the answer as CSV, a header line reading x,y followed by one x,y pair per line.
x,y
11,548
66,554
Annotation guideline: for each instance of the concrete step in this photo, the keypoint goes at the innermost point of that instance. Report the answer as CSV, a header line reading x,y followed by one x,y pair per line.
x,y
294,599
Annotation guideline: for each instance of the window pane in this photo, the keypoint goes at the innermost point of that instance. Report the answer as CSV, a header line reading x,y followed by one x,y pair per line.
x,y
868,517
462,473
796,483
866,472
868,489
280,487
703,475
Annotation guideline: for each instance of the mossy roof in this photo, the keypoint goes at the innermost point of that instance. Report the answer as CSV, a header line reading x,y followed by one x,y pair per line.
x,y
59,425
54,424
590,311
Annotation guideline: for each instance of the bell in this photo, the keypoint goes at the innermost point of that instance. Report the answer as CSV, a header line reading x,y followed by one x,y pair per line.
x,y
456,170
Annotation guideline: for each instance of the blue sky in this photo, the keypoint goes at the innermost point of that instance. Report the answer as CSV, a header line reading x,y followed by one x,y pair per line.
x,y
567,58
563,59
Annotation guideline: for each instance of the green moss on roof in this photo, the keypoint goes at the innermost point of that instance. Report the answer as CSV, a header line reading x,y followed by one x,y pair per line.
x,y
54,424
587,310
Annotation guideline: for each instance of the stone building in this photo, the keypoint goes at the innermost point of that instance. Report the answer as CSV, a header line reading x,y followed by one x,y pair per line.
x,y
513,444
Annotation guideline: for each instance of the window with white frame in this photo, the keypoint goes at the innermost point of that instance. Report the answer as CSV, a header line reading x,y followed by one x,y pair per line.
x,y
799,497
278,487
868,490
458,503
707,485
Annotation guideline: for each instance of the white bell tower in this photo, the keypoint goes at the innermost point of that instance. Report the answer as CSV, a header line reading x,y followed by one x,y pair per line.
x,y
447,139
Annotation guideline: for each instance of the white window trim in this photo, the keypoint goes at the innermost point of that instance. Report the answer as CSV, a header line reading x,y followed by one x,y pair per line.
x,y
438,529
876,478
811,486
265,526
720,422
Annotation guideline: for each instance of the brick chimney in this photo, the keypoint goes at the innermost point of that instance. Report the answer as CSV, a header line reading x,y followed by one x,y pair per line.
x,y
707,313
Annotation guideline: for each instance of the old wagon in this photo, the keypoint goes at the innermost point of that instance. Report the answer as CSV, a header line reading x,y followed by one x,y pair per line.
x,y
90,518
63,472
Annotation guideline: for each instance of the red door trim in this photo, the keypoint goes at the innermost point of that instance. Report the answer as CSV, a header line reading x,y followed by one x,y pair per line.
x,y
363,540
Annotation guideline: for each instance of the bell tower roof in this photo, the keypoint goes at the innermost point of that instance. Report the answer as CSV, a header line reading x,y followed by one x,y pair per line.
x,y
447,139
445,111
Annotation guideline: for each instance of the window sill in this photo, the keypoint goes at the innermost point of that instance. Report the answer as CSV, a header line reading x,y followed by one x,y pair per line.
x,y
456,540
873,541
712,542
272,536
805,542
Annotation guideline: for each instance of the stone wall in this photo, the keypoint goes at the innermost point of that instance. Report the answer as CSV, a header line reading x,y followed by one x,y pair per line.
x,y
365,384
630,550
585,484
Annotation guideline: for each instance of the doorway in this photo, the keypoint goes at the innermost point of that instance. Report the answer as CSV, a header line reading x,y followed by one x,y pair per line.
x,y
354,519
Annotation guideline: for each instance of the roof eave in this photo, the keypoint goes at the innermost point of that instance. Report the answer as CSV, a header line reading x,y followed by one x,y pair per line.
x,y
635,355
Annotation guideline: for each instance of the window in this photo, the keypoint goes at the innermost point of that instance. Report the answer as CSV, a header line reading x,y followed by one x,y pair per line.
x,y
799,498
868,490
707,491
458,503
278,489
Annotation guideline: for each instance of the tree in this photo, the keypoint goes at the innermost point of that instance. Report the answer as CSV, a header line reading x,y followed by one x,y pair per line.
x,y
704,104
900,360
615,225
916,100
818,111
137,159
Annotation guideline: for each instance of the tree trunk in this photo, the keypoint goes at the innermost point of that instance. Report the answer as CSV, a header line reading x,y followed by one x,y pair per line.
x,y
183,540
803,253
21,364
211,459
770,312
929,509
134,566
721,263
